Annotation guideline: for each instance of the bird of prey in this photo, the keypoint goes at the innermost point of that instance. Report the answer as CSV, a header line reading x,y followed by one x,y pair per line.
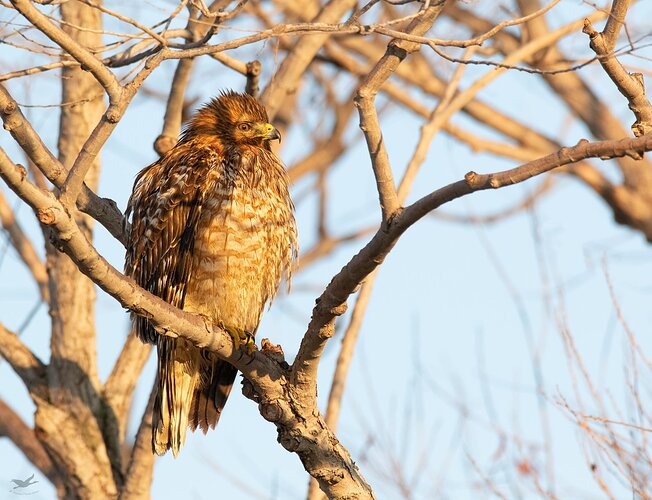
x,y
26,483
213,233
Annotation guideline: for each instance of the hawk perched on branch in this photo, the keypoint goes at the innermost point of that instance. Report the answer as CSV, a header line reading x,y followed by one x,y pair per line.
x,y
213,233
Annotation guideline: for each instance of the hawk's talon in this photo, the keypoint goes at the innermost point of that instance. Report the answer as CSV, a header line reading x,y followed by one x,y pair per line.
x,y
251,345
241,338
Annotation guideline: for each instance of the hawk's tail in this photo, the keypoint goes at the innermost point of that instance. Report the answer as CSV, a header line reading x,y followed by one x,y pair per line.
x,y
178,377
209,399
192,390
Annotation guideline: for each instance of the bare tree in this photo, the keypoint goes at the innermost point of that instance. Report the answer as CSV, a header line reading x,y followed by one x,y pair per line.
x,y
352,61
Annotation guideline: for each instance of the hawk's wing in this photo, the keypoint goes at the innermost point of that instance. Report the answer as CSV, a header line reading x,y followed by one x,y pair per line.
x,y
165,206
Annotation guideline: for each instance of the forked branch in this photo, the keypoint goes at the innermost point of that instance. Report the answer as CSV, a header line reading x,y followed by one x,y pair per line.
x,y
631,85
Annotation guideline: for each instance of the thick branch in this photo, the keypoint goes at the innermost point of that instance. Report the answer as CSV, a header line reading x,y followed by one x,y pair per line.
x,y
301,428
344,358
23,436
346,352
27,366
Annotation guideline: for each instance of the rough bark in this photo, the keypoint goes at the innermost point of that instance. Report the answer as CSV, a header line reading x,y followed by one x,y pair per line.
x,y
80,423
74,401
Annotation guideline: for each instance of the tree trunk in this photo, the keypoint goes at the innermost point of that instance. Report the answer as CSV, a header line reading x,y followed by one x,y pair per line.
x,y
72,423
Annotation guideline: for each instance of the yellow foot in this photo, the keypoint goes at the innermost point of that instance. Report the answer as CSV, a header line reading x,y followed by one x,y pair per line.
x,y
241,338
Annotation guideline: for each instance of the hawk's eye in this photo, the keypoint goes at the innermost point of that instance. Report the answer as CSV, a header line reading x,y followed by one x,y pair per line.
x,y
244,127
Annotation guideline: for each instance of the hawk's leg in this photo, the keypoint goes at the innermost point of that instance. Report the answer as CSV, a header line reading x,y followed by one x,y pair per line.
x,y
241,338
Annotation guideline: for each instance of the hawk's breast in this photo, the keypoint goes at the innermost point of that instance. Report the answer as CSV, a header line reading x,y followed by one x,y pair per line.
x,y
243,242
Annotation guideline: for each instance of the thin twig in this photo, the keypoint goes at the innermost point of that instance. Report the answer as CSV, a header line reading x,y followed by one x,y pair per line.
x,y
76,51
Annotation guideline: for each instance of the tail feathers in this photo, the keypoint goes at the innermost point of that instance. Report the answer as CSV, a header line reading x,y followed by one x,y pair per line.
x,y
192,391
178,377
210,398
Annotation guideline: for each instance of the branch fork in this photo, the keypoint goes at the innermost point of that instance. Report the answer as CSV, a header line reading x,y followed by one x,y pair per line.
x,y
629,84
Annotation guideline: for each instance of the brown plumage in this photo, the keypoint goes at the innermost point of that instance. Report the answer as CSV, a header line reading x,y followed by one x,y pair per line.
x,y
213,233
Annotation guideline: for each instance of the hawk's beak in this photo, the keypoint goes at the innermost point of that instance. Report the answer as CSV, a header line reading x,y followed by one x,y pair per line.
x,y
270,132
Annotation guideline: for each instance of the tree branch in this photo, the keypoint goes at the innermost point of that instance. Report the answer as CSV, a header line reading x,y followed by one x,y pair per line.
x,y
301,427
24,248
71,47
429,130
27,366
631,201
138,479
344,358
287,77
631,85
615,22
23,436
332,301
198,28
103,210
397,51
119,387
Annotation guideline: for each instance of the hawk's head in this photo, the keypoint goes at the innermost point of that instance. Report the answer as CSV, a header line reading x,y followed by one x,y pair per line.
x,y
237,119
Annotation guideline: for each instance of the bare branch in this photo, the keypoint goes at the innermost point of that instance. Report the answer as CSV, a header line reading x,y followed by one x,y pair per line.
x,y
614,23
477,41
37,69
24,248
173,111
526,203
428,132
104,211
464,97
91,149
197,28
79,53
287,77
346,351
119,387
138,479
253,69
483,113
397,51
631,85
13,427
27,366
332,301
301,427
573,90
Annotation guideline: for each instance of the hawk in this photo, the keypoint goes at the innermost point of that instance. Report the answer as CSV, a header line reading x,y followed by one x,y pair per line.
x,y
213,233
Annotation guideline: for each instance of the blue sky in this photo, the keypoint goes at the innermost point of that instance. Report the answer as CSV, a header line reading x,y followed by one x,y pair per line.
x,y
444,365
